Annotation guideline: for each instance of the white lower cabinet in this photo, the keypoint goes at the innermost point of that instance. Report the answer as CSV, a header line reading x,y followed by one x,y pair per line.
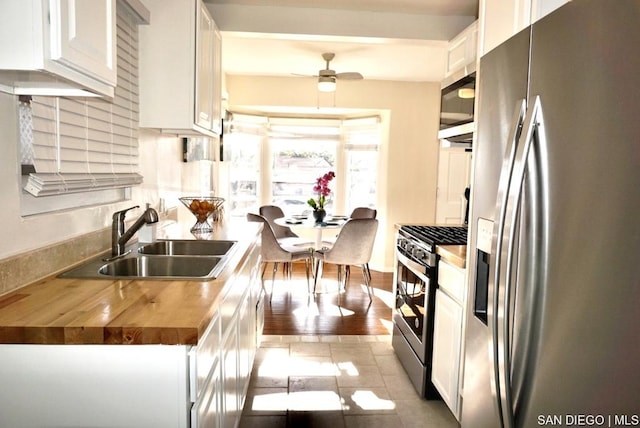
x,y
229,357
446,345
206,412
447,337
142,386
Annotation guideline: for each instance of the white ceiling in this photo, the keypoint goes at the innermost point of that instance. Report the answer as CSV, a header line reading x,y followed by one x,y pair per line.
x,y
284,51
426,7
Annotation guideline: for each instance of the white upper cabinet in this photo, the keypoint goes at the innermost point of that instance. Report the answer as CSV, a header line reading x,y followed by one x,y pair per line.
x,y
58,47
180,73
462,49
502,19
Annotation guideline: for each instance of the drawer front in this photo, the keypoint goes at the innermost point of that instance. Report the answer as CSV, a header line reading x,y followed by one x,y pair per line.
x,y
206,354
451,280
206,412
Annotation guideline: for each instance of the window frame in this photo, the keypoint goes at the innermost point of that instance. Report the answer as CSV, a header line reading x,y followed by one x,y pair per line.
x,y
344,144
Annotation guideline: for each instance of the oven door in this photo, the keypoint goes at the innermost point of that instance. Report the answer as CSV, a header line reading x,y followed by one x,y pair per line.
x,y
413,313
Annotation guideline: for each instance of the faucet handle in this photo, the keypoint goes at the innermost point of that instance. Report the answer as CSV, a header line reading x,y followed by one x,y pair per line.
x,y
119,215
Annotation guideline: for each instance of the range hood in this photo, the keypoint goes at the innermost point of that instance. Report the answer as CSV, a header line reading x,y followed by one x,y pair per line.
x,y
457,136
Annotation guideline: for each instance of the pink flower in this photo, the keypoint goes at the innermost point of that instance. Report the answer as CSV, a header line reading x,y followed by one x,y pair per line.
x,y
322,189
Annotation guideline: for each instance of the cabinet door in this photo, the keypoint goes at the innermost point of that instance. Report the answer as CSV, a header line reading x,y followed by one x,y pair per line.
x,y
454,174
204,68
462,49
446,349
216,126
206,413
502,19
246,344
542,8
229,387
83,37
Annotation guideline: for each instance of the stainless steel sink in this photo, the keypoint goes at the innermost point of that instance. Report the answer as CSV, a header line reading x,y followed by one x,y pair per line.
x,y
170,259
161,267
188,248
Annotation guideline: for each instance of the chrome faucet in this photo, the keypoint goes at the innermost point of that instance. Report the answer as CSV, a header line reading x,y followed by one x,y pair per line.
x,y
118,235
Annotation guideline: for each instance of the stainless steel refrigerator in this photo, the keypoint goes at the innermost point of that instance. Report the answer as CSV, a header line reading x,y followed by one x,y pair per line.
x,y
553,321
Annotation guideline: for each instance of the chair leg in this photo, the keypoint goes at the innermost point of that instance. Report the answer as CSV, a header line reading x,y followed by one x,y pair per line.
x,y
367,281
264,268
366,265
318,275
273,279
306,271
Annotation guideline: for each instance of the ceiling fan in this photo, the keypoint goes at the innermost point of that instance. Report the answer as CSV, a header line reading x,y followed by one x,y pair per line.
x,y
327,77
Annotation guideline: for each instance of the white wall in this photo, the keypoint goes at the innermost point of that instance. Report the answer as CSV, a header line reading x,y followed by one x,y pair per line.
x,y
408,180
160,164
408,177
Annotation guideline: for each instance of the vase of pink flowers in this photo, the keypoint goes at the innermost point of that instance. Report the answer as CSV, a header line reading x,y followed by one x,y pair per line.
x,y
321,187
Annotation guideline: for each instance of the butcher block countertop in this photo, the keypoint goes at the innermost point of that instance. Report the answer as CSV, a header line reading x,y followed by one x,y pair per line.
x,y
454,254
123,311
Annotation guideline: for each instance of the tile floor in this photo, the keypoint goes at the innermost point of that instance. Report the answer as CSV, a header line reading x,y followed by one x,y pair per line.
x,y
335,381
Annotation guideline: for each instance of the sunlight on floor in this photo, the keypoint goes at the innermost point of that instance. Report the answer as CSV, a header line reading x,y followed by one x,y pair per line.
x,y
387,324
367,400
387,297
314,400
328,311
278,365
319,401
348,369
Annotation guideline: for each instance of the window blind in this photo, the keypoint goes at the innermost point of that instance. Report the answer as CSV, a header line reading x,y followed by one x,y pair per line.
x,y
361,133
83,144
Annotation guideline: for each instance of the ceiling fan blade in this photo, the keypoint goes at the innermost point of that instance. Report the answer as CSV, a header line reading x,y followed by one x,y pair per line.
x,y
304,75
352,75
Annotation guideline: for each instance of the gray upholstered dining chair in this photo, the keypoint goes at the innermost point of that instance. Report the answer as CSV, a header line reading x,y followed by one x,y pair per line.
x,y
284,235
359,212
273,252
353,246
364,212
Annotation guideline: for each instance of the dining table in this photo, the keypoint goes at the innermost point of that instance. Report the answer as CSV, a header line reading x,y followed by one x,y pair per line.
x,y
333,223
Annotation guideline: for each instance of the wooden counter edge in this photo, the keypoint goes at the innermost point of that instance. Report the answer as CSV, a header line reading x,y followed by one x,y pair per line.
x,y
121,333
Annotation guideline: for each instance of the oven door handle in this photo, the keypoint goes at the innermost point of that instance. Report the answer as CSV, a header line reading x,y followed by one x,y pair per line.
x,y
414,267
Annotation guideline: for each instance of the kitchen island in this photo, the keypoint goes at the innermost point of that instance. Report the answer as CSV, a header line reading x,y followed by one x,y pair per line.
x,y
132,352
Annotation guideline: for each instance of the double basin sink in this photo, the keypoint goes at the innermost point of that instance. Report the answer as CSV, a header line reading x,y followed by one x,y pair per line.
x,y
167,259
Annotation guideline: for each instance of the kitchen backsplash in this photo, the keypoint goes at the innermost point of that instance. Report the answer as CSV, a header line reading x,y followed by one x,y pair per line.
x,y
32,266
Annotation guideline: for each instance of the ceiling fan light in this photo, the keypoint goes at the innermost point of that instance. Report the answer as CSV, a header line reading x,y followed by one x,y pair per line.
x,y
326,84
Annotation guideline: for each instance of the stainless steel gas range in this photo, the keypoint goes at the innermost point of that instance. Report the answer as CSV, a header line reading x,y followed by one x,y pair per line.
x,y
415,282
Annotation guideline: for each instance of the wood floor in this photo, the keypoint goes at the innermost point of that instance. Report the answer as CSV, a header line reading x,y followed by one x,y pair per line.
x,y
294,311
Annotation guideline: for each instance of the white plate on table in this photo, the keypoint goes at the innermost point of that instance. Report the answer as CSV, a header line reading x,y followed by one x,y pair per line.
x,y
338,217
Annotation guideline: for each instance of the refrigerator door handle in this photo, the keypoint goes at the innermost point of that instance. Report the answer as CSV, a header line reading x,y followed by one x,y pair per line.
x,y
498,233
506,274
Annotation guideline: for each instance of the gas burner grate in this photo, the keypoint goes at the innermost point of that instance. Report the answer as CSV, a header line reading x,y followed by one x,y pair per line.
x,y
438,235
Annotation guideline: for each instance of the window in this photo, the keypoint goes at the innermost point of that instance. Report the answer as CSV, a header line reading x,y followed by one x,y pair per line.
x,y
299,155
83,151
242,146
277,161
362,137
